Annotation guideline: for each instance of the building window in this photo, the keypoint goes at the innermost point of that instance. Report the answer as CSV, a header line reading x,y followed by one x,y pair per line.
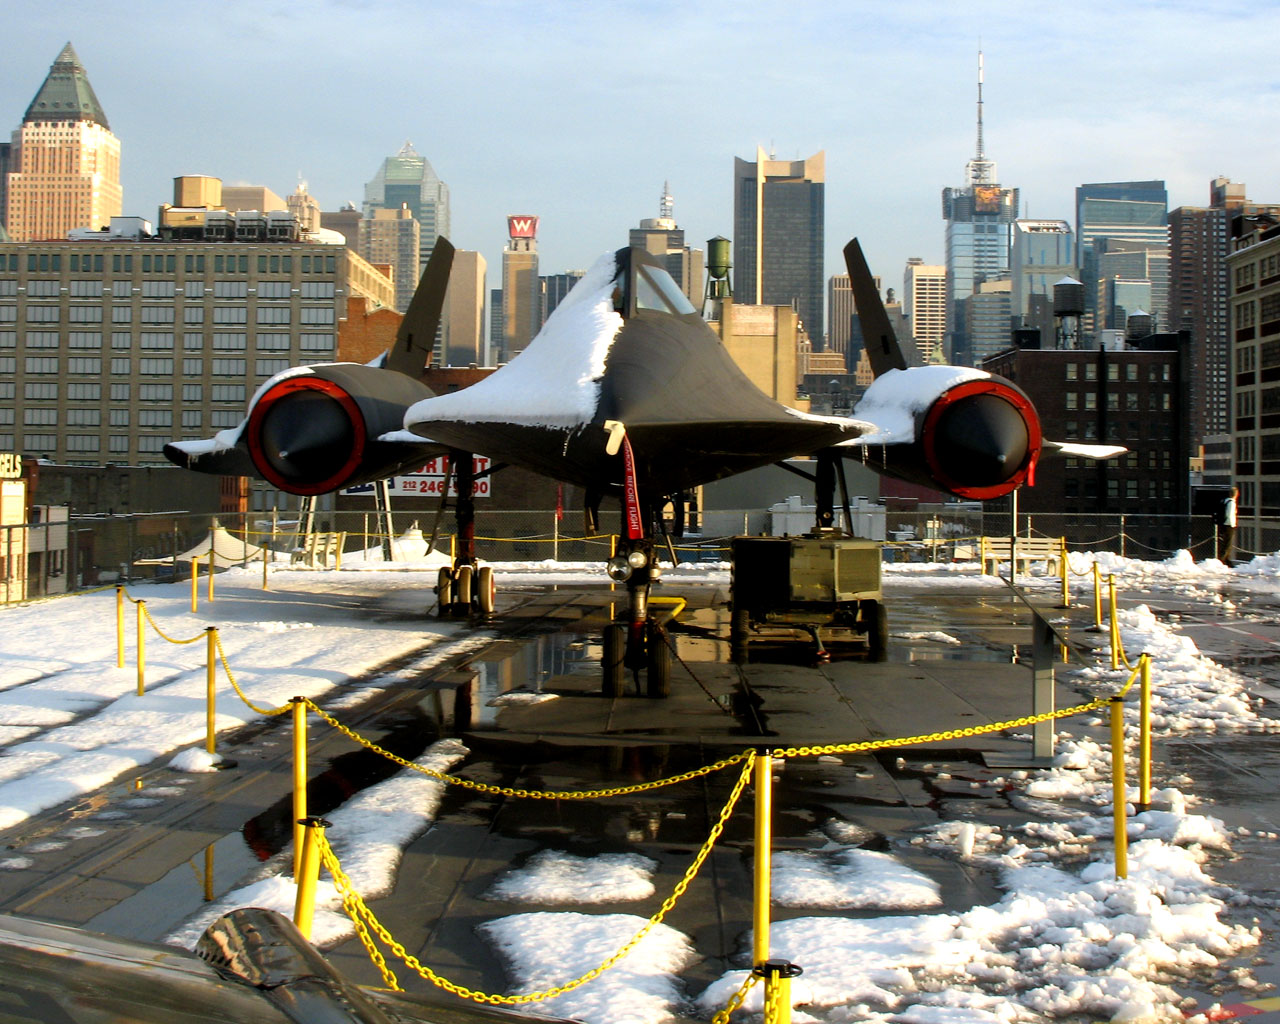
x,y
194,289
155,418
84,339
229,367
317,289
229,342
157,289
118,443
153,367
317,315
118,417
85,289
8,314
152,444
276,315
43,314
191,418
273,289
230,315
157,314
84,365
122,314
220,419
193,367
230,289
1071,399
228,392
270,367
40,417
41,442
121,289
316,342
193,341
120,392
84,392
193,314
155,392
83,442
193,392
43,289
8,339
42,339
41,364
267,342
156,340
1090,371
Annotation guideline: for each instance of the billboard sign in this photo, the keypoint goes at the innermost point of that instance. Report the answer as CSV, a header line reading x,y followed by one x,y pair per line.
x,y
429,480
522,226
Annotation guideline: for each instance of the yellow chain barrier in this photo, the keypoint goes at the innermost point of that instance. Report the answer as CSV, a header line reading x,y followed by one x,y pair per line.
x,y
268,712
164,636
352,901
484,787
737,999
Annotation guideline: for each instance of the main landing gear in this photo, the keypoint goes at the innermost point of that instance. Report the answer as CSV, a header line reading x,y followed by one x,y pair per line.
x,y
637,641
465,589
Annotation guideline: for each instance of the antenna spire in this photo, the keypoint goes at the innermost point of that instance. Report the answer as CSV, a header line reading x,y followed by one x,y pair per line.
x,y
981,171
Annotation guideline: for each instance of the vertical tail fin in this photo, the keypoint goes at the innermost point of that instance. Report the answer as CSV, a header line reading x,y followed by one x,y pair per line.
x,y
417,332
877,333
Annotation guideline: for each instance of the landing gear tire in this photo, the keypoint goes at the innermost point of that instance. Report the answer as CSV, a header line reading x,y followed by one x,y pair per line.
x,y
739,633
463,594
444,591
614,650
876,620
659,662
486,589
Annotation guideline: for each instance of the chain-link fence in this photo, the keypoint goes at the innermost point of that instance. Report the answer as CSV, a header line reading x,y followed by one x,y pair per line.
x,y
43,559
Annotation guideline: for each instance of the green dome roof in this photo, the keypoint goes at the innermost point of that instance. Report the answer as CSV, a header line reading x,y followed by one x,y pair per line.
x,y
66,94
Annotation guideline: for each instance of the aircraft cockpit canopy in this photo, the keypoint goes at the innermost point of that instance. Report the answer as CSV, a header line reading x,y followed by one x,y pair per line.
x,y
642,284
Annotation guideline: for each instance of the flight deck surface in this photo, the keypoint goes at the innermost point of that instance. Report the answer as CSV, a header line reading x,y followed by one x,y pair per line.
x,y
134,861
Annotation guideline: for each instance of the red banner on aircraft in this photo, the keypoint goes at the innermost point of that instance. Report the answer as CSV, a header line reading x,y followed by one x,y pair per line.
x,y
635,528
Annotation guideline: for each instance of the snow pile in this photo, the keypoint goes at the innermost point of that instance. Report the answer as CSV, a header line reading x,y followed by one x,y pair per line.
x,y
555,381
552,876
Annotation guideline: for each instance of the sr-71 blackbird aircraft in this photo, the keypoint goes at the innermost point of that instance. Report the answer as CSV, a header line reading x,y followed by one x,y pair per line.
x,y
625,392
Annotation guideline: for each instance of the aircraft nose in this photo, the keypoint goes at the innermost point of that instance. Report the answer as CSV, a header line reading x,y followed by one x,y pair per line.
x,y
302,433
982,440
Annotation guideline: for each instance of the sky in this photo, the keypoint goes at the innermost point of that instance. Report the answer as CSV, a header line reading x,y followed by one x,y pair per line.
x,y
577,112
1064,938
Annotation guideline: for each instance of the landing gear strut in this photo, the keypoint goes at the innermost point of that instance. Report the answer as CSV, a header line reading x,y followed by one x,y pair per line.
x,y
465,587
636,641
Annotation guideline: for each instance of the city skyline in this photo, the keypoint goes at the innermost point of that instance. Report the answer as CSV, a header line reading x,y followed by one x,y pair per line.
x,y
1094,93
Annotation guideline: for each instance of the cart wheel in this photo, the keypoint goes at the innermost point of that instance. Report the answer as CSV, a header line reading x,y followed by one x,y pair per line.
x,y
462,595
615,648
877,621
659,658
444,591
486,589
739,625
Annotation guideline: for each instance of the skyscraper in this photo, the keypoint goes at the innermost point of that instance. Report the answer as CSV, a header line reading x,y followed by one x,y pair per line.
x,y
521,289
64,163
392,237
1199,241
408,179
778,218
464,309
1043,254
1129,211
924,303
661,236
840,312
979,218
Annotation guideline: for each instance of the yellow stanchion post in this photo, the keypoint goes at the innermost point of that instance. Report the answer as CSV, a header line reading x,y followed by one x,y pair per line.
x,y
119,627
299,781
1144,731
305,904
1097,596
1119,793
195,581
1115,625
266,558
210,595
208,873
211,678
142,647
762,893
1066,572
982,554
778,973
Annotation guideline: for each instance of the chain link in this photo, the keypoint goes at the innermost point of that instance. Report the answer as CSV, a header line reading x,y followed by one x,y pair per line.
x,y
484,787
163,635
737,999
268,712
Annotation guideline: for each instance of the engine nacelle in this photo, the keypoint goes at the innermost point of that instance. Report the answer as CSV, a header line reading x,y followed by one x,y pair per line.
x,y
977,438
